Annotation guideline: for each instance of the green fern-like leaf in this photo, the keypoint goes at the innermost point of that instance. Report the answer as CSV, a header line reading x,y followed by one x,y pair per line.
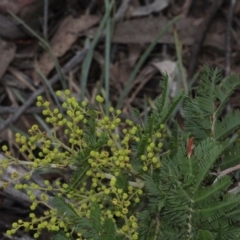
x,y
122,181
109,230
161,102
225,90
95,217
86,228
145,221
233,216
61,236
217,211
175,103
65,209
205,235
137,115
196,122
174,140
205,95
142,145
231,157
151,186
212,193
192,203
207,152
149,128
227,125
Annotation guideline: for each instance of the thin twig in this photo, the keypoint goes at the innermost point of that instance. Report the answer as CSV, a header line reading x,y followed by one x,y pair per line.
x,y
76,60
228,38
31,110
186,6
121,10
226,171
201,36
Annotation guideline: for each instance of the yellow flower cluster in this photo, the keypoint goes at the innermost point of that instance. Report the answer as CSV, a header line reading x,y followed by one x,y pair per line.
x,y
83,127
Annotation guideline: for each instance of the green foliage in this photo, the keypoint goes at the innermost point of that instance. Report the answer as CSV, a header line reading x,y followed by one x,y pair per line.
x,y
139,184
227,125
203,114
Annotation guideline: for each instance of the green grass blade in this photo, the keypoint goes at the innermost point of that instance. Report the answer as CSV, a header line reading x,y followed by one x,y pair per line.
x,y
107,58
142,60
88,59
181,69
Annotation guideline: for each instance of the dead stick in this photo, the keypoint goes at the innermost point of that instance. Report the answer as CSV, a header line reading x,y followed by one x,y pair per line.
x,y
31,110
201,36
226,171
76,60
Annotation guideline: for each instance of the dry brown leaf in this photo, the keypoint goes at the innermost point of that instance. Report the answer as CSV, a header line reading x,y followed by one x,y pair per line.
x,y
156,6
145,75
170,68
14,5
145,30
120,72
7,51
31,11
67,33
134,53
8,80
166,66
21,79
9,29
186,6
237,8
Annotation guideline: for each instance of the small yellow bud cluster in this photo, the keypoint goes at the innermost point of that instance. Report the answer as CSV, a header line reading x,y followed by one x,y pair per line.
x,y
6,151
109,124
150,158
99,99
49,221
4,163
121,203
